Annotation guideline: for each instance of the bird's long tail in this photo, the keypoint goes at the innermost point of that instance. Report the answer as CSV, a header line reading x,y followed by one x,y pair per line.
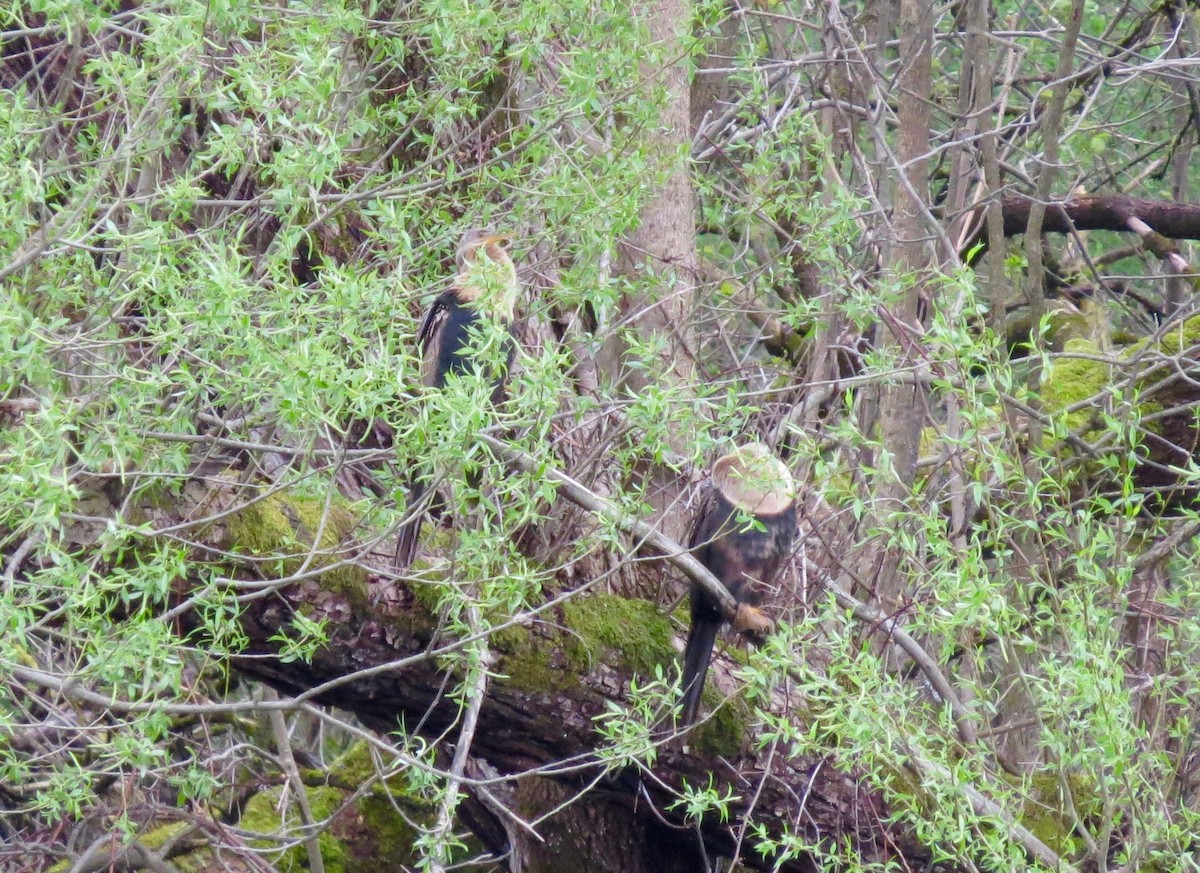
x,y
410,530
696,654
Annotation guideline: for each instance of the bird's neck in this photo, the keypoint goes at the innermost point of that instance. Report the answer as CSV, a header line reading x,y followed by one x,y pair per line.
x,y
489,286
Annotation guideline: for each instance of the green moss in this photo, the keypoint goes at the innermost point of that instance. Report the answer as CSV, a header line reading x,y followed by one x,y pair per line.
x,y
286,526
526,660
1182,336
1064,322
382,827
724,732
391,838
604,629
1064,327
428,576
608,629
356,766
1046,812
599,629
426,591
262,817
194,861
261,528
336,523
379,823
429,579
351,769
160,836
1070,380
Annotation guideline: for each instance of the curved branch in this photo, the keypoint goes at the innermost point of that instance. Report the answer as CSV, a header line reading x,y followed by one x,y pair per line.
x,y
658,542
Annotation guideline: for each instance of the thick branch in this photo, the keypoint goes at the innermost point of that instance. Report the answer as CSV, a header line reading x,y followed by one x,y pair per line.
x,y
1172,220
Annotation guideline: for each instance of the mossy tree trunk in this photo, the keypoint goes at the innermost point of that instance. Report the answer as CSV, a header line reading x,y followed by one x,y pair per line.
x,y
389,664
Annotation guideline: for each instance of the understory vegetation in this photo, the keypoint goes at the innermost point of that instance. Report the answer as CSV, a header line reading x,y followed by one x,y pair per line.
x,y
936,256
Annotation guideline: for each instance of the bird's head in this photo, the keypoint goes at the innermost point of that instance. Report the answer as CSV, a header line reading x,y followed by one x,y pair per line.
x,y
754,480
487,276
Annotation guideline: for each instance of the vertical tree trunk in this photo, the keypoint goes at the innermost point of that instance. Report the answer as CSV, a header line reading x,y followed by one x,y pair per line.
x,y
1050,129
901,406
663,248
1187,97
664,244
979,48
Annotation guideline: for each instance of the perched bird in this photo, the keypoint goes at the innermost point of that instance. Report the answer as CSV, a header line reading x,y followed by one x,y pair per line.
x,y
484,291
743,534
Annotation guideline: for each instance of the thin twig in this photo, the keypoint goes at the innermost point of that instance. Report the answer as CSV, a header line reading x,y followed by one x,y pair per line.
x,y
283,747
890,627
439,836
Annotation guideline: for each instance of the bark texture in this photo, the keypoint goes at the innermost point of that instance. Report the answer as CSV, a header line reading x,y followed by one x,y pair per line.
x,y
392,663
901,409
1173,220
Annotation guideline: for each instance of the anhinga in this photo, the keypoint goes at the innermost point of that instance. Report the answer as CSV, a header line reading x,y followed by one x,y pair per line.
x,y
743,534
484,291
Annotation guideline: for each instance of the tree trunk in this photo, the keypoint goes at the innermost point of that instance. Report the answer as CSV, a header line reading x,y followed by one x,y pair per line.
x,y
901,406
663,247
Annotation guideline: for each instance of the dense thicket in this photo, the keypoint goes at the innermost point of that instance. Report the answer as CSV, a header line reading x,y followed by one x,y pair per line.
x,y
934,255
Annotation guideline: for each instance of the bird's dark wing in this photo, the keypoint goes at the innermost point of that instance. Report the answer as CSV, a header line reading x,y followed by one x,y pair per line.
x,y
753,557
705,530
431,341
712,520
694,540
430,338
